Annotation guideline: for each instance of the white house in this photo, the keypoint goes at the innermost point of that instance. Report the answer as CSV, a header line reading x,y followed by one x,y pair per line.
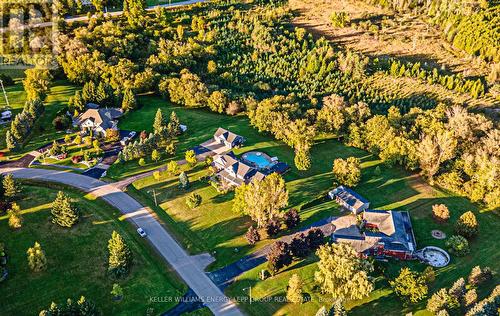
x,y
98,120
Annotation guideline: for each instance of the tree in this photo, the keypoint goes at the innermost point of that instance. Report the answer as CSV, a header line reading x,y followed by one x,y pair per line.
x,y
294,291
15,217
63,212
193,200
440,300
187,90
155,155
467,225
440,212
458,290
323,311
278,257
470,298
299,247
434,150
172,167
142,162
458,245
273,227
36,258
191,159
218,101
112,135
184,180
429,275
347,172
117,291
10,140
37,83
82,307
10,187
159,123
315,238
252,235
342,273
409,285
134,10
291,218
174,125
261,199
120,256
477,275
129,102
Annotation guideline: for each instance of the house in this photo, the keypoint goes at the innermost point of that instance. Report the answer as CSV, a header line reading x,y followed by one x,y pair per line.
x,y
98,120
227,138
349,199
234,171
379,233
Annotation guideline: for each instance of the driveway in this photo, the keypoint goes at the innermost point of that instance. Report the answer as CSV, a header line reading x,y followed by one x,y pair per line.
x,y
188,267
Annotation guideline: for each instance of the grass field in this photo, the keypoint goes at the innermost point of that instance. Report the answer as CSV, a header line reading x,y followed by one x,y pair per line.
x,y
77,259
213,227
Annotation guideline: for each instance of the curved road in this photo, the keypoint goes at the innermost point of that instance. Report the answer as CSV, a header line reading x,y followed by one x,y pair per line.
x,y
188,267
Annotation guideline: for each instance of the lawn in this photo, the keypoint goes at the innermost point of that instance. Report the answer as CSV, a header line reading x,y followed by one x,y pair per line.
x,y
214,228
43,132
77,259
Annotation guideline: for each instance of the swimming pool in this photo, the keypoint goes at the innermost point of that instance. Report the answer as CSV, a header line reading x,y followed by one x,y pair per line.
x,y
259,159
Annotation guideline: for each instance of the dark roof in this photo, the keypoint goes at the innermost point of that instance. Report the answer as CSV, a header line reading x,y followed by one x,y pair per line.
x,y
100,117
350,197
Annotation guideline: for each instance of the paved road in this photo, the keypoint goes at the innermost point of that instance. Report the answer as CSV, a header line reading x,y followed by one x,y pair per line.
x,y
188,267
84,18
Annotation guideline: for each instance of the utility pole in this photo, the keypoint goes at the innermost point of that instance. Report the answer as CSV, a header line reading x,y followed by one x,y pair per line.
x,y
154,196
5,95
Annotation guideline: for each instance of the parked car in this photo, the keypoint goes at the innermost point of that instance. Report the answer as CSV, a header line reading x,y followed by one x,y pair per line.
x,y
132,134
141,232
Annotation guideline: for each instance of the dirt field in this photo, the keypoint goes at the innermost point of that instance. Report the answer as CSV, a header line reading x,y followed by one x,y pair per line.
x,y
397,35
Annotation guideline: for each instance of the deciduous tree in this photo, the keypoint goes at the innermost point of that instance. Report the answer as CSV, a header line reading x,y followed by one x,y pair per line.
x,y
410,286
294,291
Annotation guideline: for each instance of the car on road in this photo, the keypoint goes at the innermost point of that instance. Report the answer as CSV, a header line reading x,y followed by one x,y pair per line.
x,y
124,141
141,232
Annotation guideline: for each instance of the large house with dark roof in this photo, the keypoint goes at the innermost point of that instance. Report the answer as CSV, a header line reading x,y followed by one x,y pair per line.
x,y
235,171
227,138
98,120
349,199
379,233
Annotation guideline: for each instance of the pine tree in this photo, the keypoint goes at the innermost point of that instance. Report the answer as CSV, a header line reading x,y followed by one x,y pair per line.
x,y
294,291
184,180
174,125
338,309
129,102
63,213
159,122
120,256
36,258
155,155
10,140
10,187
15,218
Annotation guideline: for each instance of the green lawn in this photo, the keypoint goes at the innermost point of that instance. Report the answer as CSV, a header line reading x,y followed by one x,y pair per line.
x,y
213,227
43,132
77,259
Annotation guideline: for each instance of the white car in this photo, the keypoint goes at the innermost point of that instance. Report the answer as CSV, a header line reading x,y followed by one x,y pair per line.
x,y
141,232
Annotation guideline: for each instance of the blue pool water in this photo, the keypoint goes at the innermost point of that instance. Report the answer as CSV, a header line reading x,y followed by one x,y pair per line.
x,y
259,160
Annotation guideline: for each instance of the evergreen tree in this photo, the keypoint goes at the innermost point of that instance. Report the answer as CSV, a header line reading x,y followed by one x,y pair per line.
x,y
155,155
129,102
120,256
184,180
36,258
10,140
15,217
294,292
63,213
159,122
174,125
89,92
10,187
338,309
467,225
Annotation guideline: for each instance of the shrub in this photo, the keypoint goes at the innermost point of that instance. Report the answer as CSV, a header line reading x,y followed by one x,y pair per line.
x,y
36,258
172,167
252,235
458,245
291,218
429,275
142,162
467,225
273,228
193,200
440,212
61,122
191,158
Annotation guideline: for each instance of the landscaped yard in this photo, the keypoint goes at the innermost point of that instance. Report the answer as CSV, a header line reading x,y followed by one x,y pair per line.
x,y
214,227
77,259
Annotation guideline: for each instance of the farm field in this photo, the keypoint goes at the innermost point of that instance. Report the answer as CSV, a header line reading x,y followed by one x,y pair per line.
x,y
77,259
